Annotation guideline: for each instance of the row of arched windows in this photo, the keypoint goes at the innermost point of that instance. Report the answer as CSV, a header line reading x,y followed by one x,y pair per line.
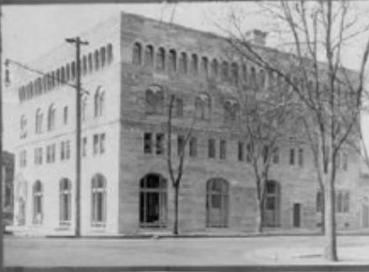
x,y
99,108
98,197
155,104
90,62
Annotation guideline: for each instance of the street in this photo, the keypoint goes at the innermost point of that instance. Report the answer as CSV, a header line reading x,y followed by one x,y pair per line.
x,y
180,251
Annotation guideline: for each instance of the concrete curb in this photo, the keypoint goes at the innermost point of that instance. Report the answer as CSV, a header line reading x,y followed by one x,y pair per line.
x,y
247,268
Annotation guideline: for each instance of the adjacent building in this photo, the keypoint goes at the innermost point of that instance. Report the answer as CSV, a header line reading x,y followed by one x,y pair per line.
x,y
130,67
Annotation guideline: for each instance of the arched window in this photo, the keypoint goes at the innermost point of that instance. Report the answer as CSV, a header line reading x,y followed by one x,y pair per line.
x,y
103,56
234,73
37,194
149,56
23,127
73,70
98,207
172,60
183,63
217,203
99,102
51,118
194,64
62,75
214,68
39,119
90,63
225,71
231,110
67,72
84,108
137,54
154,98
97,60
160,59
204,66
44,83
109,53
31,89
65,193
203,107
153,201
58,77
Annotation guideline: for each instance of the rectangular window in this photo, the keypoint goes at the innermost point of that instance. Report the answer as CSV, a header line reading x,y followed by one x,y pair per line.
x,y
62,150
180,144
148,143
222,149
211,148
102,143
249,153
265,153
38,155
65,115
301,157
193,147
53,153
292,156
67,150
96,144
84,146
319,201
179,107
159,143
276,155
241,151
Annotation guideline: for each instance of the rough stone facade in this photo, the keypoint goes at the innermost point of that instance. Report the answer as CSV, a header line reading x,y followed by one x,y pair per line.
x,y
124,162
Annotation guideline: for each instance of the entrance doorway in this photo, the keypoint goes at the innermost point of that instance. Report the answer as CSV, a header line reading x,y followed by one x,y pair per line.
x,y
217,203
272,204
153,201
296,215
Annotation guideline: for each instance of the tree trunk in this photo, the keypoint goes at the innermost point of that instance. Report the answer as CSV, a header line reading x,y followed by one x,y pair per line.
x,y
175,226
259,216
330,224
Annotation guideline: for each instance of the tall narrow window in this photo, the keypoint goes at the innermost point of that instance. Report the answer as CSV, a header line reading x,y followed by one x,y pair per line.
x,y
203,107
224,71
193,147
344,161
37,202
65,192
90,63
180,145
159,143
292,156
103,56
172,60
222,149
234,73
194,64
276,155
241,151
211,148
244,73
179,107
149,56
204,66
98,207
301,157
23,127
109,53
319,201
160,60
73,71
84,108
154,98
147,144
51,118
249,154
137,54
214,69
65,115
102,143
84,146
261,79
96,144
183,63
84,65
99,102
97,59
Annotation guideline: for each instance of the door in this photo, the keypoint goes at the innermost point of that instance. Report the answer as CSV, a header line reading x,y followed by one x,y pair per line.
x,y
271,204
296,215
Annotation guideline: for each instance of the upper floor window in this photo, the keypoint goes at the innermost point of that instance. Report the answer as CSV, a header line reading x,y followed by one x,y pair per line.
x,y
231,110
109,53
154,98
292,156
65,115
222,149
38,152
244,72
253,76
149,143
84,108
160,143
183,63
224,75
203,107
319,201
97,59
23,158
65,150
62,75
276,155
90,63
214,68
23,127
261,79
180,144
250,153
50,153
99,143
84,146
241,151
194,64
51,118
193,147
172,60
103,56
149,56
84,65
178,107
234,72
204,66
301,157
342,201
67,72
73,71
99,104
160,60
211,148
137,54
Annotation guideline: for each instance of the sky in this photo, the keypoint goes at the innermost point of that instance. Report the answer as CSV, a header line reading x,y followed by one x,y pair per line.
x,y
31,31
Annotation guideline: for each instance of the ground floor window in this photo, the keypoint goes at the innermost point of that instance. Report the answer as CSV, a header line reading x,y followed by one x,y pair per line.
x,y
217,203
98,206
37,202
65,189
153,201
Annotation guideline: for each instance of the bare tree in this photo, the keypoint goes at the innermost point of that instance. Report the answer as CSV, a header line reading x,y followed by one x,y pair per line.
x,y
176,171
330,95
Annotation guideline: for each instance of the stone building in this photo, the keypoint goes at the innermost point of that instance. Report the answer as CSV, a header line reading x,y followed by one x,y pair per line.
x,y
130,67
8,192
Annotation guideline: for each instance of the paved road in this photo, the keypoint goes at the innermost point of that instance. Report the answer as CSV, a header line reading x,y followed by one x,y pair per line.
x,y
180,251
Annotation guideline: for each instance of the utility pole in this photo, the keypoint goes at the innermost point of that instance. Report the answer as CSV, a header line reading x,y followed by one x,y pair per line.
x,y
77,41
